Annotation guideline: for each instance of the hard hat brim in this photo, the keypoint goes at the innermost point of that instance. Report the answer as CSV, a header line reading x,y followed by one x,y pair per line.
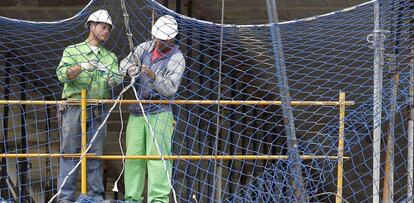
x,y
86,25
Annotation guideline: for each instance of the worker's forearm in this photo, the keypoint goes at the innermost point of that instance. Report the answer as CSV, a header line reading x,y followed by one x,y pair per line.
x,y
73,72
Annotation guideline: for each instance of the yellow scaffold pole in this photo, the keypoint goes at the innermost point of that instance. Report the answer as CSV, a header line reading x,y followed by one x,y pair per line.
x,y
341,147
176,102
84,141
172,157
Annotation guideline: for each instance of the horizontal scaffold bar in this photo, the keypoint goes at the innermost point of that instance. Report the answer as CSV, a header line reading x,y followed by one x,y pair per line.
x,y
177,157
177,102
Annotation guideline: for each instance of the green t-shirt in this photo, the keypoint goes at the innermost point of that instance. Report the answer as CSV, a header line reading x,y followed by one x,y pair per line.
x,y
96,81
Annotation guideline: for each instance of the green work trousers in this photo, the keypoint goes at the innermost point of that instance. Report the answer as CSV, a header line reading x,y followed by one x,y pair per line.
x,y
139,141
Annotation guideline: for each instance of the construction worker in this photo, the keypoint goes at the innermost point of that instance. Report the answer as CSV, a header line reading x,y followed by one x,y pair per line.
x,y
86,65
158,66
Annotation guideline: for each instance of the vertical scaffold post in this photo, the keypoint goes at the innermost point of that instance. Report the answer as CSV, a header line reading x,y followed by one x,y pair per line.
x,y
410,151
293,148
4,191
341,147
378,43
397,11
388,191
84,141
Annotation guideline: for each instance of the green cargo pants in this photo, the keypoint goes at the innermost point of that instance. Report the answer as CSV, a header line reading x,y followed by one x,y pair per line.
x,y
139,141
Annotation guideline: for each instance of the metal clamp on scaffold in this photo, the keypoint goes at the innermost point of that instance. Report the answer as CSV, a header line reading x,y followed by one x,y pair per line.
x,y
382,34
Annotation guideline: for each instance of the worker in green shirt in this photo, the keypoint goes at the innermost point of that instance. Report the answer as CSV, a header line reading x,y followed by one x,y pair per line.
x,y
87,65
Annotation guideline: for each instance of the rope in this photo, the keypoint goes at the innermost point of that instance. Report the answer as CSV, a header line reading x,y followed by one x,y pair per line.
x,y
131,48
92,140
126,23
115,188
157,145
130,42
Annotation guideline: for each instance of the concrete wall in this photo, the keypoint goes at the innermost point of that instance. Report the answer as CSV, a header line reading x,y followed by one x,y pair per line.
x,y
236,11
40,10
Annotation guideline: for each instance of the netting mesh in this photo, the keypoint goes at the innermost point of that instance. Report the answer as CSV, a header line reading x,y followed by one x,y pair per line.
x,y
323,56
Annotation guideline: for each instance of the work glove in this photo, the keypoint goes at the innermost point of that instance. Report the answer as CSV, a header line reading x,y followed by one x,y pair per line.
x,y
112,82
132,71
115,80
102,67
147,71
89,66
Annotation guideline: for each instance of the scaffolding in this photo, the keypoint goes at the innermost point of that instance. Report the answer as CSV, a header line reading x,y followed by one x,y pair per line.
x,y
84,102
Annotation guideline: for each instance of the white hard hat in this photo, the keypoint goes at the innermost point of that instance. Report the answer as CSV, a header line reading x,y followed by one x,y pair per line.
x,y
165,28
100,16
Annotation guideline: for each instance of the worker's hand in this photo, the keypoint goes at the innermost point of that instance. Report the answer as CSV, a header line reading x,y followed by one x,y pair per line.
x,y
102,67
146,70
115,79
132,71
112,81
89,66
